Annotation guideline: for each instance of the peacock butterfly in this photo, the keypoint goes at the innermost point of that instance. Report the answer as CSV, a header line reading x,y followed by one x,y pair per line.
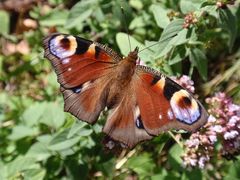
x,y
142,101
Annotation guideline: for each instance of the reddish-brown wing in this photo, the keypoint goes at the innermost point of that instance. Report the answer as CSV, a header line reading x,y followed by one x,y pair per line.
x,y
124,121
83,69
165,105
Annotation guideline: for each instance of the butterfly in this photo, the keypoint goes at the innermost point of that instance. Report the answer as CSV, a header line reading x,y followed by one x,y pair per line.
x,y
142,102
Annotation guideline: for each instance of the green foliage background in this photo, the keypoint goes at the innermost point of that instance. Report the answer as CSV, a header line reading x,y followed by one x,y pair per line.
x,y
39,141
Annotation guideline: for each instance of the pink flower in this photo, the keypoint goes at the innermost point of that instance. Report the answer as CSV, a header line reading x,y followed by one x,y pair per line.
x,y
223,126
230,135
217,128
193,143
185,82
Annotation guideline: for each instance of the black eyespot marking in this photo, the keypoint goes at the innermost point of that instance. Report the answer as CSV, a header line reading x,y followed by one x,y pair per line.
x,y
77,89
65,40
155,80
170,88
139,123
187,101
97,51
82,45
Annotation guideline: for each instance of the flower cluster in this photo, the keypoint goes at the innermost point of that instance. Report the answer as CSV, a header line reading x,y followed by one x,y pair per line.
x,y
189,19
227,122
185,82
200,146
223,126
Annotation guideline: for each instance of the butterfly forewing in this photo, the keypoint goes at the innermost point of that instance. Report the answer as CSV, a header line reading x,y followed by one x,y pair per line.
x,y
77,60
83,69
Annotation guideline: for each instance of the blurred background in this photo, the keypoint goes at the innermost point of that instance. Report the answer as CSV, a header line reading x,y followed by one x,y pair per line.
x,y
198,47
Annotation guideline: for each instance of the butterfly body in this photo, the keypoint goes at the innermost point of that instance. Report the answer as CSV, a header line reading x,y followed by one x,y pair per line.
x,y
142,102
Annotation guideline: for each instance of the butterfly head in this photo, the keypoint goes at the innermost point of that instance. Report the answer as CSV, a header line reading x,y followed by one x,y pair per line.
x,y
133,55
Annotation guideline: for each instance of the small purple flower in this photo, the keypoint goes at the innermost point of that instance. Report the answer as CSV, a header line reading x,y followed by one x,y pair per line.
x,y
185,82
193,143
223,126
202,161
217,128
213,138
230,135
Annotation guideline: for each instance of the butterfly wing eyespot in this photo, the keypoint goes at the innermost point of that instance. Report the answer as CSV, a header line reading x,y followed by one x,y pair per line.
x,y
165,105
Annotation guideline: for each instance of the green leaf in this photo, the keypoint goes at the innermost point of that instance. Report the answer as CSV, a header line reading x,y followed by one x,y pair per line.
x,y
138,4
174,34
61,142
54,18
68,143
137,22
99,14
195,174
20,164
5,20
21,131
39,151
123,43
158,176
229,22
178,55
53,115
34,174
174,156
56,2
180,38
233,171
32,115
187,6
160,15
80,129
3,170
199,60
143,165
79,13
172,29
45,139
210,9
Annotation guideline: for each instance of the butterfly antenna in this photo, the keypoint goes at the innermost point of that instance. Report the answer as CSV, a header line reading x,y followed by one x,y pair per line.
x,y
149,46
126,28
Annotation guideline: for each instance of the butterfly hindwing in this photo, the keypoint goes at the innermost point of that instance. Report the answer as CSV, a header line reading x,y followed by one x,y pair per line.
x,y
124,122
86,101
165,105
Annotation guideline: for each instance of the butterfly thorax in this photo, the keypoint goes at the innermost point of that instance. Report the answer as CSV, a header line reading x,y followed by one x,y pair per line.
x,y
126,67
133,55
